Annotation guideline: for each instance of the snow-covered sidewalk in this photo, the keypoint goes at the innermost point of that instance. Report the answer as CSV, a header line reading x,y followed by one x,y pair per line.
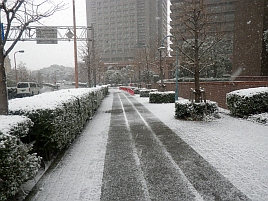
x,y
78,175
237,148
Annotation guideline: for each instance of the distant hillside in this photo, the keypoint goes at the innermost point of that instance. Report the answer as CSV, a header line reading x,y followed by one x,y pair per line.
x,y
55,73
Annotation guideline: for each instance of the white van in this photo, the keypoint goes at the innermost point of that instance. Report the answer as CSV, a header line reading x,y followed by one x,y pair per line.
x,y
27,89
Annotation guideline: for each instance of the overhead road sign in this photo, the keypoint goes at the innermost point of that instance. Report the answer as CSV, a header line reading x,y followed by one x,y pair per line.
x,y
46,35
51,34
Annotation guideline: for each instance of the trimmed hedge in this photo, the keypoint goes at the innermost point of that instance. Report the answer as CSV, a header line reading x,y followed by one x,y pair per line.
x,y
17,165
146,92
59,118
188,110
162,97
245,102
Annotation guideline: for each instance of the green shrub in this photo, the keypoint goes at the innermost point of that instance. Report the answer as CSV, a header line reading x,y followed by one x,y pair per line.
x,y
146,92
59,118
245,102
185,109
162,97
17,165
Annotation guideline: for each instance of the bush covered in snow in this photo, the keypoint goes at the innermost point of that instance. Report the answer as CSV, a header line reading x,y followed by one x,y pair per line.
x,y
162,97
185,109
146,92
245,102
137,90
17,165
58,116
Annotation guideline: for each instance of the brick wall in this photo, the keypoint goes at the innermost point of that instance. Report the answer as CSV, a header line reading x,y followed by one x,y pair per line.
x,y
215,91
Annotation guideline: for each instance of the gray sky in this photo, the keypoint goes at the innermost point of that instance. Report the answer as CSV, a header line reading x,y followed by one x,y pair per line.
x,y
37,56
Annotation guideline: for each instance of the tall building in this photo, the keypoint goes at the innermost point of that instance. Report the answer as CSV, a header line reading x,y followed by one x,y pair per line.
x,y
241,21
251,20
121,26
220,12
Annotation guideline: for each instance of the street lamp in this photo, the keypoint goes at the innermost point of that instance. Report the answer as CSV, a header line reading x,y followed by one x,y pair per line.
x,y
20,51
160,65
177,65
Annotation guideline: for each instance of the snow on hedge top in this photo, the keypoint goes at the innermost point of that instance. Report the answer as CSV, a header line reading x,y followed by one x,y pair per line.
x,y
8,122
163,93
249,92
48,100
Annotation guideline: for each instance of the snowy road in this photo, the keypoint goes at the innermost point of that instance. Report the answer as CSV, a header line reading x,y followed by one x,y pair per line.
x,y
127,153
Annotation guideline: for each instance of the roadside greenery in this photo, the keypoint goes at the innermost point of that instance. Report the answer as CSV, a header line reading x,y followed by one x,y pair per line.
x,y
39,127
17,162
246,102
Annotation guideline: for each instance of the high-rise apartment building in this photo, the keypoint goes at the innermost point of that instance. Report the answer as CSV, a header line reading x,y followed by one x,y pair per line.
x,y
220,12
251,20
121,26
241,21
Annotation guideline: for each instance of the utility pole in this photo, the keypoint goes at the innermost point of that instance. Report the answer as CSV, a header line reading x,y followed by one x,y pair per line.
x,y
93,57
88,63
75,48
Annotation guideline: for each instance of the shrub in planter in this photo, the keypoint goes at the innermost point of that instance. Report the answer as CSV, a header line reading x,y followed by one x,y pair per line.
x,y
162,97
17,165
146,92
245,102
188,110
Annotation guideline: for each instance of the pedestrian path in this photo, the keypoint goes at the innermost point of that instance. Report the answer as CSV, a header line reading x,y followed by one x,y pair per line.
x,y
127,153
78,174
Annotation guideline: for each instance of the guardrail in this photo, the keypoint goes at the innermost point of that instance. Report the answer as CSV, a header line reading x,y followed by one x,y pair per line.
x,y
127,89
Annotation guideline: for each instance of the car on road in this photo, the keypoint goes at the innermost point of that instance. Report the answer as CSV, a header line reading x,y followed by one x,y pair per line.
x,y
27,89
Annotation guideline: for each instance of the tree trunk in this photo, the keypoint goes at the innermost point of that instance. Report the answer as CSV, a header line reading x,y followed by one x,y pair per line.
x,y
3,86
196,56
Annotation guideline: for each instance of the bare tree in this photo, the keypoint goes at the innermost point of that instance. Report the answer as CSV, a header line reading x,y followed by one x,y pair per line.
x,y
195,31
19,13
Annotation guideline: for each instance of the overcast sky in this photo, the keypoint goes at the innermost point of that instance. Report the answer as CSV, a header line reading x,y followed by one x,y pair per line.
x,y
37,56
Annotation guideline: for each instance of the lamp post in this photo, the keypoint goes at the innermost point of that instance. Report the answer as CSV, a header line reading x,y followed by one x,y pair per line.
x,y
16,73
160,65
177,65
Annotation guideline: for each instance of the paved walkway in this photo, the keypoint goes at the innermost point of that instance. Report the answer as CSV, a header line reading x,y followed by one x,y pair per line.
x,y
126,153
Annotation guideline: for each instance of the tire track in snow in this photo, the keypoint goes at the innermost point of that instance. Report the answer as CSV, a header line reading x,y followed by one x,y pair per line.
x,y
186,182
207,181
122,178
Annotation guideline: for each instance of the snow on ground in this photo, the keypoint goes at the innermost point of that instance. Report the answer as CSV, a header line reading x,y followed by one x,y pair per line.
x,y
236,147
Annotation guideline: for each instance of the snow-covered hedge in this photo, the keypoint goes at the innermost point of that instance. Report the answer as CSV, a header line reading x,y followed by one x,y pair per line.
x,y
58,116
146,92
245,102
185,109
17,165
136,90
162,97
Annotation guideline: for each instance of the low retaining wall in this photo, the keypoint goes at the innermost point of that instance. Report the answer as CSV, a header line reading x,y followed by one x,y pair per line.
x,y
215,91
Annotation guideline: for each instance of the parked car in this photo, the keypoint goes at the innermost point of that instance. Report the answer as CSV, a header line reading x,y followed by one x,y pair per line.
x,y
27,89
